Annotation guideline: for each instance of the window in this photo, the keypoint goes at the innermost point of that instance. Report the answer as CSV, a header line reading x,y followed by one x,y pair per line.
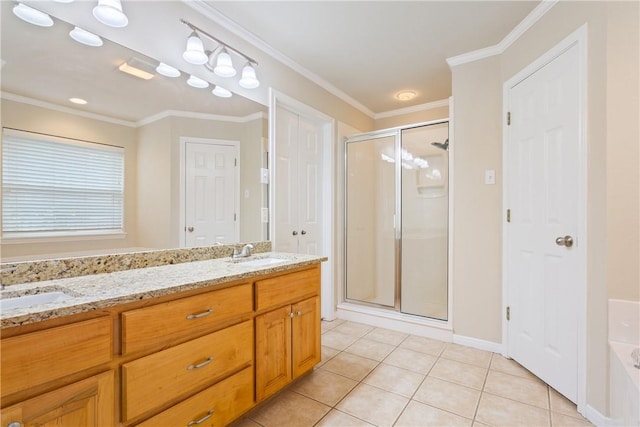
x,y
55,186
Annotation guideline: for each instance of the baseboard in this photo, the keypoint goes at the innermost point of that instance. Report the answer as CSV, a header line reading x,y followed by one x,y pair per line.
x,y
596,417
494,347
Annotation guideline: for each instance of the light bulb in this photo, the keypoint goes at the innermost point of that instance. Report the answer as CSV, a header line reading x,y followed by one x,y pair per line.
x,y
249,80
221,92
224,66
167,70
194,53
32,16
109,12
85,37
197,82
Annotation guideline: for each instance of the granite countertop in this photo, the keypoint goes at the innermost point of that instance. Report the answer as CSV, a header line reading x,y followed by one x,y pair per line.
x,y
91,292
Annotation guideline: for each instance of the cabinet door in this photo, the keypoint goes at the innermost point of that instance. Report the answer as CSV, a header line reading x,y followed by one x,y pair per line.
x,y
88,403
305,335
273,351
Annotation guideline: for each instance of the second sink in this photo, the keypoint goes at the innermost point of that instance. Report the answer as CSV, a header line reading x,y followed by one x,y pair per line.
x,y
31,300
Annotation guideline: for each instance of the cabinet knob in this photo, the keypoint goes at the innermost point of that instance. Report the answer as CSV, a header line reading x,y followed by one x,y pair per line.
x,y
295,233
299,313
303,232
190,229
291,315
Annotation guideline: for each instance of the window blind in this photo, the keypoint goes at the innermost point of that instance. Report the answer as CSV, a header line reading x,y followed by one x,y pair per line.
x,y
60,186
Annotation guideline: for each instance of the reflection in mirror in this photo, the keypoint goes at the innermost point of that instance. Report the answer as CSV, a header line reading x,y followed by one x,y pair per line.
x,y
181,144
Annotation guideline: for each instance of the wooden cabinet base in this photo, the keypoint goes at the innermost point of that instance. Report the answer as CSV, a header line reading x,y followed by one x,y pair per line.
x,y
88,403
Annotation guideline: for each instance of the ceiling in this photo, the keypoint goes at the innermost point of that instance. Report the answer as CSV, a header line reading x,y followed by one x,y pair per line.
x,y
370,50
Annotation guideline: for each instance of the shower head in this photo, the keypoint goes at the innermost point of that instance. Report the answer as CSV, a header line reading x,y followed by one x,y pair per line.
x,y
442,145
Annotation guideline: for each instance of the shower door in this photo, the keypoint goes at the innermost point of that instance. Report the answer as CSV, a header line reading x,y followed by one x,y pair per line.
x,y
396,201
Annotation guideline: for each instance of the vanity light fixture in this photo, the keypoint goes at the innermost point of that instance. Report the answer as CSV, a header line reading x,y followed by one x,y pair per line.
x,y
249,80
110,13
196,54
197,82
167,70
32,16
85,37
221,92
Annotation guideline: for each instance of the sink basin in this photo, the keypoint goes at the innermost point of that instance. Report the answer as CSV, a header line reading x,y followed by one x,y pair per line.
x,y
31,300
262,262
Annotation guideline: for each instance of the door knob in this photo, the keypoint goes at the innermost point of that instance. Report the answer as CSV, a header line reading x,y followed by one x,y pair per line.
x,y
190,229
303,232
295,233
566,241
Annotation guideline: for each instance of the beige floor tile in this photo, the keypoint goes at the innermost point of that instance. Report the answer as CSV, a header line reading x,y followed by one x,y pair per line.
x,y
244,422
424,345
472,356
324,386
451,397
386,336
329,325
420,415
336,418
355,329
291,409
498,411
337,340
509,366
373,405
459,373
326,354
562,420
350,366
370,349
411,360
562,405
394,379
524,390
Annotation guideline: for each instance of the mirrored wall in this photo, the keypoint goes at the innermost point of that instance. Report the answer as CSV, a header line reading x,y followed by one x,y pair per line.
x,y
397,212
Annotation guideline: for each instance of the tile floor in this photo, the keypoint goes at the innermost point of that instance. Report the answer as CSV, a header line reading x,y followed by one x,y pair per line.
x,y
377,377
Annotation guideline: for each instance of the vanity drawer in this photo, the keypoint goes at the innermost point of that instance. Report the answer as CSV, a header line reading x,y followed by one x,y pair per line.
x,y
287,288
221,403
152,328
39,357
156,379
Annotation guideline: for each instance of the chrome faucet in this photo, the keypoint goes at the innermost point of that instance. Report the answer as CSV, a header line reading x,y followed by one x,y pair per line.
x,y
246,251
7,270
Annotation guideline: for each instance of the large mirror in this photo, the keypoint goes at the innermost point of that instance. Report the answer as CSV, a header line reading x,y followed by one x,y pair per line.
x,y
156,121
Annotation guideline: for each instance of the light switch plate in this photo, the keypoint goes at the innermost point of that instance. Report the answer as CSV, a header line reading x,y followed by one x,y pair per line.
x,y
490,177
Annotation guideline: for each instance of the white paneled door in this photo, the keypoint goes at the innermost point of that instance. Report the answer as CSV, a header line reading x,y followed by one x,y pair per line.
x,y
543,261
298,184
211,194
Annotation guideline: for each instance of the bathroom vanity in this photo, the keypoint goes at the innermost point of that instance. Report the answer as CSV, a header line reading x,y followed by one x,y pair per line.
x,y
196,343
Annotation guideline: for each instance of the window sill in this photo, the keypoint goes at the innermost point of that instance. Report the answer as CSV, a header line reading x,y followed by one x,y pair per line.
x,y
53,237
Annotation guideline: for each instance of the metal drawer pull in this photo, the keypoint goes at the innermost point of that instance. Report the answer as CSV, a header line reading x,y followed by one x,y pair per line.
x,y
201,420
201,364
199,315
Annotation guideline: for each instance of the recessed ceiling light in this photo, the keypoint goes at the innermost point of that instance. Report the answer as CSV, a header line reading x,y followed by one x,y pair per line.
x,y
197,82
32,16
406,95
79,101
167,70
221,92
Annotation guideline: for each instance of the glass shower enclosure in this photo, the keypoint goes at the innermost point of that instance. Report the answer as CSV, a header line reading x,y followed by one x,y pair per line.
x,y
396,219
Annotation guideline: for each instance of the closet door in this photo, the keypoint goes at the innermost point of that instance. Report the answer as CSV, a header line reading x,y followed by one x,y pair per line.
x,y
298,184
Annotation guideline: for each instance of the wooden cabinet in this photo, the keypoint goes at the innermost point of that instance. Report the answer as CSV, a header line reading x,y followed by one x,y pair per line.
x,y
287,337
89,402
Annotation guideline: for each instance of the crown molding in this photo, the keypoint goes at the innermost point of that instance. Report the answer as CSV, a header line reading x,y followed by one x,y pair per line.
x,y
412,109
139,123
200,116
497,49
216,16
62,109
